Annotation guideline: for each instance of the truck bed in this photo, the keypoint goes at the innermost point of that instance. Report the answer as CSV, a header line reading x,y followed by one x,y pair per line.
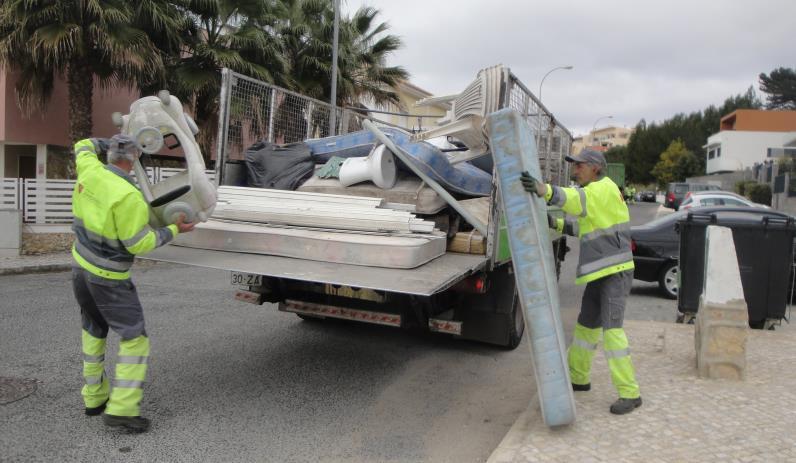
x,y
432,277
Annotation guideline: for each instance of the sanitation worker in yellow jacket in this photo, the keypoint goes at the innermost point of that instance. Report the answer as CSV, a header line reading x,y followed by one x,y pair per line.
x,y
598,215
111,227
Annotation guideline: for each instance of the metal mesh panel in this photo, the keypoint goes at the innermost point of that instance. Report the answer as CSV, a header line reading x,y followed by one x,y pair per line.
x,y
252,111
553,141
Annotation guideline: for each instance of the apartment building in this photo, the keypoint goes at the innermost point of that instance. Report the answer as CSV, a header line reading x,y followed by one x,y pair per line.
x,y
602,139
31,145
749,136
405,113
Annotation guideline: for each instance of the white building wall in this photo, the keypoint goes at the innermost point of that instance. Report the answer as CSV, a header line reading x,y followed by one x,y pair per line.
x,y
740,150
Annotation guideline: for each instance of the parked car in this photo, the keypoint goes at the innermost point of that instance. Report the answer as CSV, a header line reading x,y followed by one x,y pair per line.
x,y
676,191
717,198
656,244
647,196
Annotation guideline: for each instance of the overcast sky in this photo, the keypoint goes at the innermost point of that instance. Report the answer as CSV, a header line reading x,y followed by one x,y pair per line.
x,y
632,59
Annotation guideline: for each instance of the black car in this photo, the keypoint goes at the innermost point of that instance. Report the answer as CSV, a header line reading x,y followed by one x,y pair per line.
x,y
656,244
647,196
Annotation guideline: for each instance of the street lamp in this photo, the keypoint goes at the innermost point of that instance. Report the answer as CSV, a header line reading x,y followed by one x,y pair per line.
x,y
594,127
548,73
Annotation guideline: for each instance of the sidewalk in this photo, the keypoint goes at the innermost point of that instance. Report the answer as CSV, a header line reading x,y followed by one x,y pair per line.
x,y
683,418
56,262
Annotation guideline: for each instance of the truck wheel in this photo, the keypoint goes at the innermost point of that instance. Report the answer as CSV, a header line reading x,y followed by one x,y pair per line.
x,y
517,327
668,280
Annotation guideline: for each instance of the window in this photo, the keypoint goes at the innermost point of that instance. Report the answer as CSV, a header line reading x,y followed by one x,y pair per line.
x,y
778,152
718,152
712,202
711,154
734,202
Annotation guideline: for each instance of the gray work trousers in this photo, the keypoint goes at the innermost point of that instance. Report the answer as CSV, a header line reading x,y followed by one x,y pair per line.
x,y
603,304
108,303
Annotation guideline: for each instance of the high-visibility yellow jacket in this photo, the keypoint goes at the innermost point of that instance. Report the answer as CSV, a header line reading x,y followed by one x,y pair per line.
x,y
602,223
111,217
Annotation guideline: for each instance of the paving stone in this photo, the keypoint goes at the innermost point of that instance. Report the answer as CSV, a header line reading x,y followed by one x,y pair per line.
x,y
683,418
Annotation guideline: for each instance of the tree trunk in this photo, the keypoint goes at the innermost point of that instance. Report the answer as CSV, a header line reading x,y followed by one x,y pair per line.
x,y
80,82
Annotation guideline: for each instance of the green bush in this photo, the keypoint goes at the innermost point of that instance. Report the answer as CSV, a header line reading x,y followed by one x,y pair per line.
x,y
759,193
743,187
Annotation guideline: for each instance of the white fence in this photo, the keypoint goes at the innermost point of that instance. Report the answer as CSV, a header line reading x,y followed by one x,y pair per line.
x,y
50,201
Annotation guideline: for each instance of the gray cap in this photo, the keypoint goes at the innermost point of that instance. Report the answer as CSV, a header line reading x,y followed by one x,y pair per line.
x,y
589,157
123,145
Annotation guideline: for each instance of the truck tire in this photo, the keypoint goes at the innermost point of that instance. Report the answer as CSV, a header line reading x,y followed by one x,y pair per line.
x,y
494,317
517,327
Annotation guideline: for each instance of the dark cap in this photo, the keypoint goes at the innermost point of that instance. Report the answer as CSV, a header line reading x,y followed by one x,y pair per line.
x,y
589,157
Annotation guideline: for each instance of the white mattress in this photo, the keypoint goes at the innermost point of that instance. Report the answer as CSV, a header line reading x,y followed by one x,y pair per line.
x,y
368,249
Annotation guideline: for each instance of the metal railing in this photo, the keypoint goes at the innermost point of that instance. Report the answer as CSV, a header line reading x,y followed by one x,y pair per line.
x,y
553,140
251,110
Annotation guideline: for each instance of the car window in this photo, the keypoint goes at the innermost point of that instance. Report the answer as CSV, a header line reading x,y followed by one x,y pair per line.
x,y
680,188
713,202
734,202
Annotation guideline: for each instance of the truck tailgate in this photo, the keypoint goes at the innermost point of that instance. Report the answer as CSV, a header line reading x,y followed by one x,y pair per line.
x,y
425,280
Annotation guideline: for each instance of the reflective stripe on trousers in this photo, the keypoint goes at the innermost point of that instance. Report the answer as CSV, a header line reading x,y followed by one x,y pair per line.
x,y
581,353
617,351
96,387
129,379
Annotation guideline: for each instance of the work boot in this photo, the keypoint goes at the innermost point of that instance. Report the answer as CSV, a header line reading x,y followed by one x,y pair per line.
x,y
132,423
94,411
581,387
623,406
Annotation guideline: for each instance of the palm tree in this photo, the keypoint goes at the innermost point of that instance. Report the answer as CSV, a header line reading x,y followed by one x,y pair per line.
x,y
83,41
363,70
305,29
221,33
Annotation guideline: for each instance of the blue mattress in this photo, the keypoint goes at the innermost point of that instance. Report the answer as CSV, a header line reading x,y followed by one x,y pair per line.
x,y
463,178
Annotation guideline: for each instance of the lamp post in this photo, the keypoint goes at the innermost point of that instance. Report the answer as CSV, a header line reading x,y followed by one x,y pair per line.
x,y
333,113
548,73
545,149
594,127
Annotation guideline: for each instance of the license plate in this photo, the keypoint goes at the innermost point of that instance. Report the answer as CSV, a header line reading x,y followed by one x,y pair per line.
x,y
246,279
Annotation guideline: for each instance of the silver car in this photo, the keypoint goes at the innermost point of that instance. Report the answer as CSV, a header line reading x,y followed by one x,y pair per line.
x,y
717,198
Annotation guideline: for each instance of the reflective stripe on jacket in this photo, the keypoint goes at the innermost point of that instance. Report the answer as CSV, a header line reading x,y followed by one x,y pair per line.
x,y
602,222
111,217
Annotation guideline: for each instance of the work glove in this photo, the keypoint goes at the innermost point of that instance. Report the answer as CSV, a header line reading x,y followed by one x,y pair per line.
x,y
101,145
532,185
551,221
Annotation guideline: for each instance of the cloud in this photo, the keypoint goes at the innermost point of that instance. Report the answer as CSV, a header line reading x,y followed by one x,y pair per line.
x,y
633,59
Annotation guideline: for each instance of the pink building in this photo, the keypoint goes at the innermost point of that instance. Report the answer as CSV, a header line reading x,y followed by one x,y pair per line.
x,y
26,144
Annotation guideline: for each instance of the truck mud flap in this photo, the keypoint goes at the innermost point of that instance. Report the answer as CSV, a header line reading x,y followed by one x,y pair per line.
x,y
514,150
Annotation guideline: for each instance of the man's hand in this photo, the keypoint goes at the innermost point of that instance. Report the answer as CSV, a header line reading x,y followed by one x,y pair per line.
x,y
183,226
532,185
101,145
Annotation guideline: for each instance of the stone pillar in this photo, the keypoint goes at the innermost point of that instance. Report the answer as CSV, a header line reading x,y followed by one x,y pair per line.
x,y
41,162
2,160
722,321
10,232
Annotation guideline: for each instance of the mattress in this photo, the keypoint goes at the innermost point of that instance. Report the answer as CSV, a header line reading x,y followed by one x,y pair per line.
x,y
366,249
462,178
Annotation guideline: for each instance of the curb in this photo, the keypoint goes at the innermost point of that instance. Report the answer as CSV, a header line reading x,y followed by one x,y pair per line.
x,y
513,440
44,268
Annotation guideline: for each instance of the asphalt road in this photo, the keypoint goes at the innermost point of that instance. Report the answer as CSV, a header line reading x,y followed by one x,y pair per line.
x,y
229,381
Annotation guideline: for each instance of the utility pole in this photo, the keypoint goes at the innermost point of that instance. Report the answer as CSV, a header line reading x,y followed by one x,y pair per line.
x,y
333,112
